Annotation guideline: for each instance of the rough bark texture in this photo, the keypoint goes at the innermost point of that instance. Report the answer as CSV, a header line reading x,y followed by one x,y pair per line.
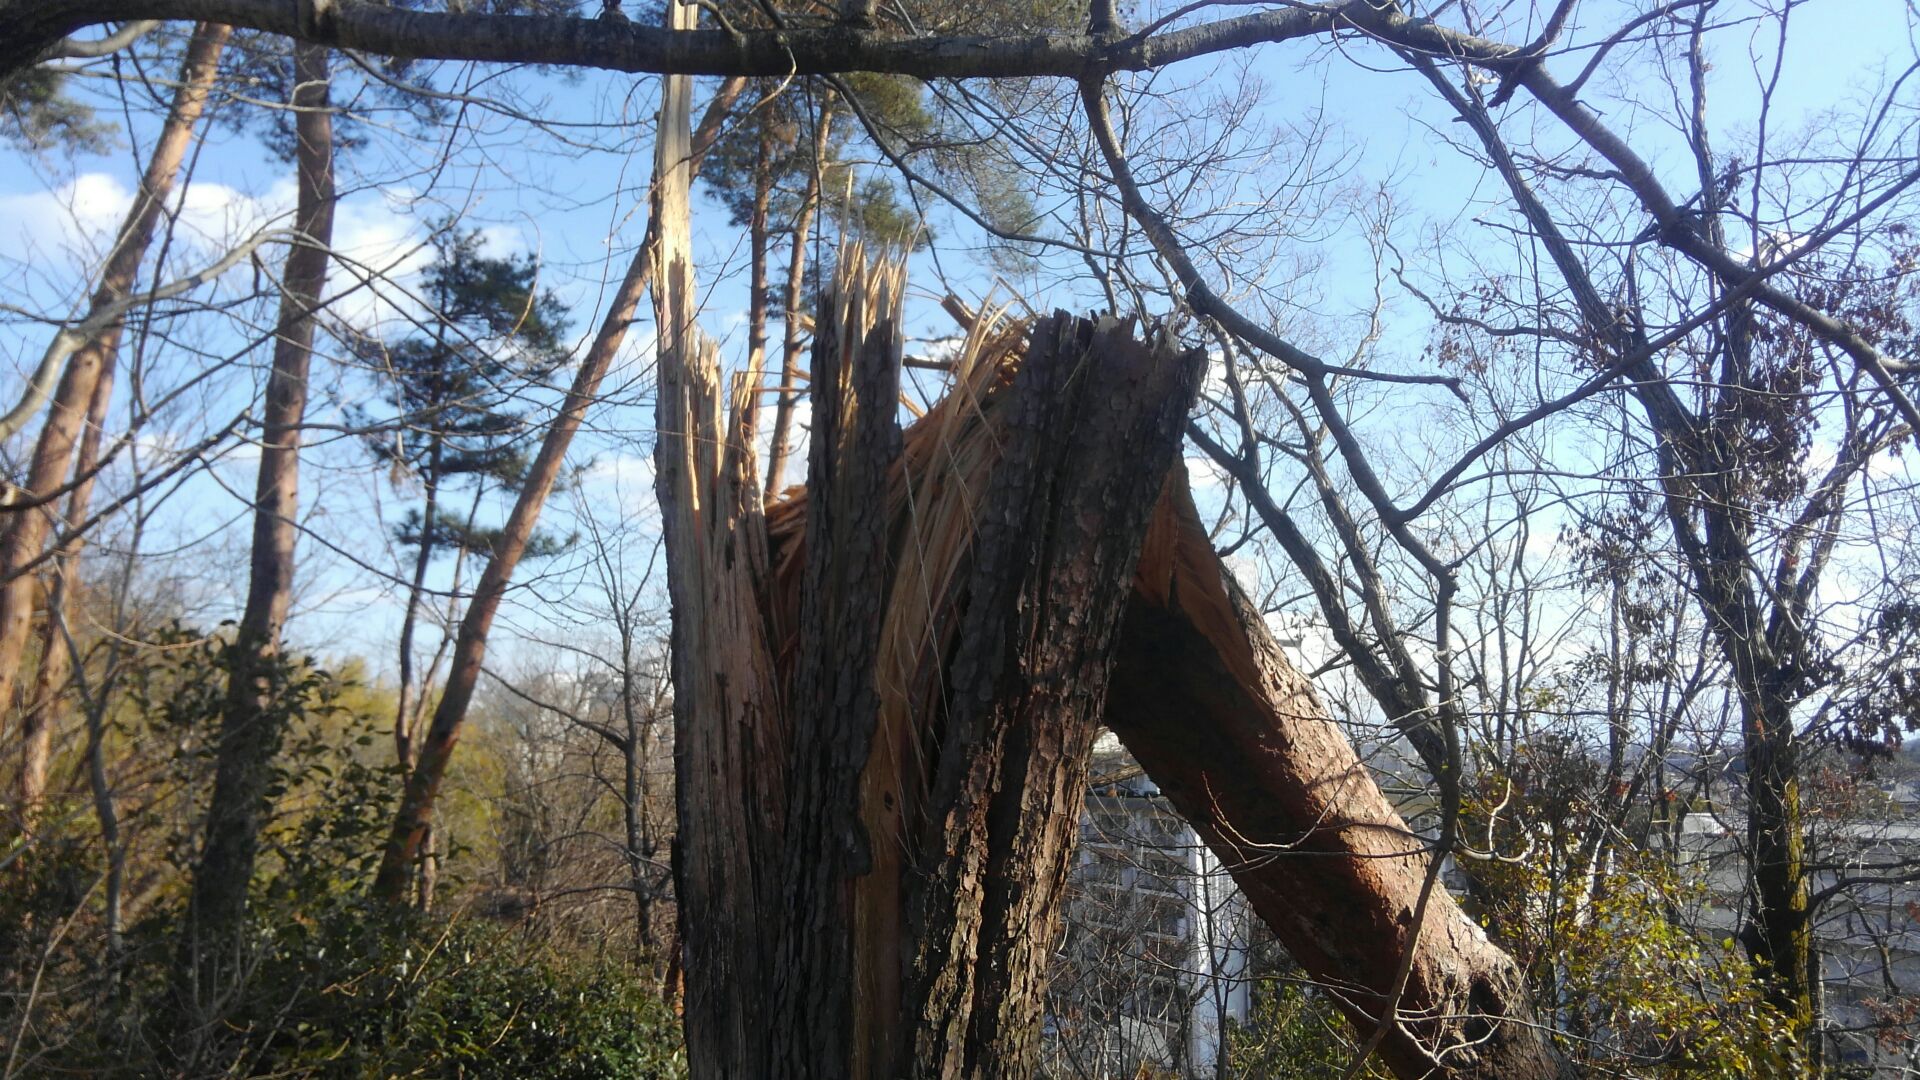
x,y
1234,736
942,629
835,701
255,718
881,748
1779,937
1093,424
728,720
29,26
404,847
26,528
931,808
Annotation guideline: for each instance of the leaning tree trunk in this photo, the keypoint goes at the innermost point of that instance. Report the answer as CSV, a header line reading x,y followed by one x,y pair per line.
x,y
1234,736
405,843
254,718
42,714
26,527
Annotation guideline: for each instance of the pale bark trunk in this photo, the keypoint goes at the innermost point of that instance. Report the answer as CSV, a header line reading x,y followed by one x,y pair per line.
x,y
410,830
41,719
789,391
253,722
1235,737
27,527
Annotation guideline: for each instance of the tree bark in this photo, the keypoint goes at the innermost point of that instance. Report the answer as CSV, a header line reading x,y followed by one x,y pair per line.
x,y
1235,737
405,842
882,735
883,719
26,528
934,679
1779,937
255,717
757,269
929,807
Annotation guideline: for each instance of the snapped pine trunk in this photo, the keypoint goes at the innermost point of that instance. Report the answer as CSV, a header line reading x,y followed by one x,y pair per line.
x,y
1235,738
886,687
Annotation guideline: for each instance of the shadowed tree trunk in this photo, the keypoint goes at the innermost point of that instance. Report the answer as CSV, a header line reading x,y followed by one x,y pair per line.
x,y
26,527
255,717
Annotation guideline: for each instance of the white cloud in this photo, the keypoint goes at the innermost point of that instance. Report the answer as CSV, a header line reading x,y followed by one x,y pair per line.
x,y
81,217
377,237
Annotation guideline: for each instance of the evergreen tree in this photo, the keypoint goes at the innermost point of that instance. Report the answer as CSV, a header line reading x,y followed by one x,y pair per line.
x,y
458,388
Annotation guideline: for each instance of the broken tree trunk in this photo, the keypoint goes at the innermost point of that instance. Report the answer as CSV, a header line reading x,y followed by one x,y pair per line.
x,y
882,733
886,687
883,727
1236,739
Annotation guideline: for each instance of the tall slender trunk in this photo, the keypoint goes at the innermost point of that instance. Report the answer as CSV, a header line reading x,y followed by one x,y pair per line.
x,y
634,793
41,718
404,710
410,828
26,528
254,718
757,267
790,373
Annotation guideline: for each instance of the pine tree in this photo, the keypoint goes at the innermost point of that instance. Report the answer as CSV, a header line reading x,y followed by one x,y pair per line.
x,y
491,336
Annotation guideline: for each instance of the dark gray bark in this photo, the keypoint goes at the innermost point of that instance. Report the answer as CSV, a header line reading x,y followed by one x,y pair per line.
x,y
28,27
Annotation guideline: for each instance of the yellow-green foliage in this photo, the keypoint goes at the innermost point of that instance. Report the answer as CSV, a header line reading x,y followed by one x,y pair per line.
x,y
1634,986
